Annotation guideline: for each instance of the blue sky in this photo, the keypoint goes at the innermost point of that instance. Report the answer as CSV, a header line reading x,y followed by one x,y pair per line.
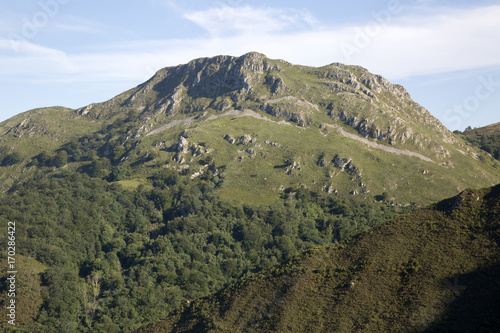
x,y
74,52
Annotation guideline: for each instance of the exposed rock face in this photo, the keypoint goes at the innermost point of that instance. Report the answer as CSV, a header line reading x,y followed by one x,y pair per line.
x,y
277,85
346,164
374,107
246,139
182,145
229,139
323,161
330,190
179,159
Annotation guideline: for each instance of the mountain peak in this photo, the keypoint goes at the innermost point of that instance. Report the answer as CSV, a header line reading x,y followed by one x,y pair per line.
x,y
335,102
369,103
212,78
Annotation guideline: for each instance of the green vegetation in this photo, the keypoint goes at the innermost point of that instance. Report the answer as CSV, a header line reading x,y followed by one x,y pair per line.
x,y
434,270
290,113
214,171
115,259
34,138
12,159
486,138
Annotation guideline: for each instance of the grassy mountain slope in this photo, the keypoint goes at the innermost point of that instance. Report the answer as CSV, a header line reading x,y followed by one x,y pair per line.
x,y
486,130
33,132
434,270
29,290
335,128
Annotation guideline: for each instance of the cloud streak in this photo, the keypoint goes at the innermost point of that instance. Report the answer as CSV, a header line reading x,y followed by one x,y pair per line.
x,y
230,20
451,40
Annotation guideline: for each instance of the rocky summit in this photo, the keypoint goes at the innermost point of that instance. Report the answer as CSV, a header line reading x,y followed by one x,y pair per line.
x,y
309,115
301,121
368,103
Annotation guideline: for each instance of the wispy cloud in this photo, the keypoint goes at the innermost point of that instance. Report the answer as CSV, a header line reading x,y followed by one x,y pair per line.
x,y
20,59
442,40
76,24
448,41
232,20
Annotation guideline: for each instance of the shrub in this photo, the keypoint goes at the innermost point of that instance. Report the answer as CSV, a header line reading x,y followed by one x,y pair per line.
x,y
11,159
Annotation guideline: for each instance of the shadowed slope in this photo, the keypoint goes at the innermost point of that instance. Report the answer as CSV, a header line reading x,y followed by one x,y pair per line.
x,y
435,269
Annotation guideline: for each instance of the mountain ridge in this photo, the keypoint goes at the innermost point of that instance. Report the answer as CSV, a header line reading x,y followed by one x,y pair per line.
x,y
234,79
337,109
486,138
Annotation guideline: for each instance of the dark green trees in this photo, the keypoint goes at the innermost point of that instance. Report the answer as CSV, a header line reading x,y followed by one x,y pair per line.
x,y
12,159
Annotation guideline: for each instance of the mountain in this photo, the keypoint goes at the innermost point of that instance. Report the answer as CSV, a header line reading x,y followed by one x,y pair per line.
x,y
486,130
207,173
270,124
28,134
434,270
486,138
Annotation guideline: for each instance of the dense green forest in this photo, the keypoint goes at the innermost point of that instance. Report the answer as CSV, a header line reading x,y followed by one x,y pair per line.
x,y
115,259
433,270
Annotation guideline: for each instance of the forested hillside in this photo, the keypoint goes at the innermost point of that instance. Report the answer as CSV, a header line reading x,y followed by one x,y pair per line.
x,y
99,258
487,138
434,270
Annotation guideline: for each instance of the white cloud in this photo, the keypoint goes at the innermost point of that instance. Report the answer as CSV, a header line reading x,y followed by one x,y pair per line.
x,y
234,20
403,45
28,58
449,41
73,23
